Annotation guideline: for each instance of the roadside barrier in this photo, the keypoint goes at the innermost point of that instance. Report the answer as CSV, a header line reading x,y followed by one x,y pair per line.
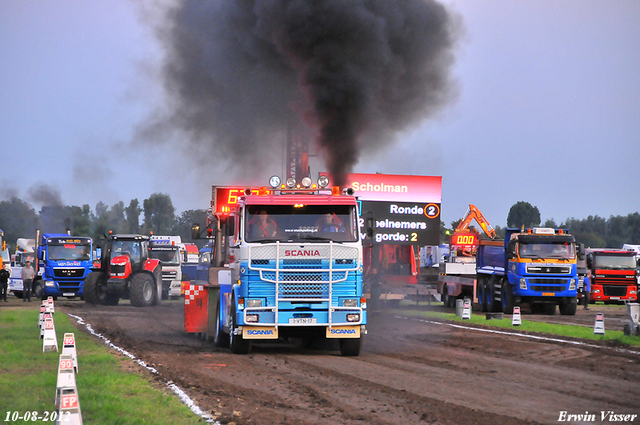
x,y
49,341
516,321
598,327
69,347
69,409
66,377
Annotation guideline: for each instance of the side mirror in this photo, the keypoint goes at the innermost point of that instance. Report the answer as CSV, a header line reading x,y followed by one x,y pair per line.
x,y
581,254
369,227
589,261
195,231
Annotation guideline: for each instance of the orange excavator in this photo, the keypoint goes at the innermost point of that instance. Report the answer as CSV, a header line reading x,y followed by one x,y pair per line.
x,y
474,213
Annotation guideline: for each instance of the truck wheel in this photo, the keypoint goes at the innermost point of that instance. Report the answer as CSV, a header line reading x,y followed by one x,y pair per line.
x,y
350,346
238,344
482,296
568,308
491,290
446,300
37,290
142,290
94,288
507,297
220,339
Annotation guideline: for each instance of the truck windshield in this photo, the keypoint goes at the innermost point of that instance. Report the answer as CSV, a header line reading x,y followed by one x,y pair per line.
x,y
614,262
288,223
564,251
170,256
69,252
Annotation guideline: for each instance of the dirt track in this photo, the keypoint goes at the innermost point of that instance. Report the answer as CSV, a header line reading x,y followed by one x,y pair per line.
x,y
409,372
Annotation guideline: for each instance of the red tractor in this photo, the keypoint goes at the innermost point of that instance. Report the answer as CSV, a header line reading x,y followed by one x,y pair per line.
x,y
125,271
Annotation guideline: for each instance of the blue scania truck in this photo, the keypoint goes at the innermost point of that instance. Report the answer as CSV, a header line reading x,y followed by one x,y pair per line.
x,y
537,266
63,263
290,273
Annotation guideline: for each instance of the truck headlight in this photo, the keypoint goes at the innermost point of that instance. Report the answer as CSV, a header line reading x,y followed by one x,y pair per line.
x,y
523,283
49,283
596,291
572,284
253,303
350,302
355,317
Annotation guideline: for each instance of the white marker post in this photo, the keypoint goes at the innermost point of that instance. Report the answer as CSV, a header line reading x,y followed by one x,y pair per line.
x,y
69,409
466,310
516,321
69,347
598,327
66,376
49,342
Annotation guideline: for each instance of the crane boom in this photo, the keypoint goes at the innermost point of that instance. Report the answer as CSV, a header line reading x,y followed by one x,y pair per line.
x,y
474,213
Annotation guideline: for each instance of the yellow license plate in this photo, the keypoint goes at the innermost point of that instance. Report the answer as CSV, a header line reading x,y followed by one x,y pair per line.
x,y
259,332
343,332
548,294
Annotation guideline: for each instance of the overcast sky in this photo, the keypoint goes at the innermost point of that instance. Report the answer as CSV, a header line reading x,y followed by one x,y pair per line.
x,y
548,111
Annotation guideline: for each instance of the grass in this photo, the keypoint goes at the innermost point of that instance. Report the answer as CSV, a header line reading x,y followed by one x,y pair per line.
x,y
108,393
571,331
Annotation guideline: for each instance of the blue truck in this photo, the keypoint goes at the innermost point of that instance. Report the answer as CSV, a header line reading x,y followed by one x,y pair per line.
x,y
63,263
283,272
537,266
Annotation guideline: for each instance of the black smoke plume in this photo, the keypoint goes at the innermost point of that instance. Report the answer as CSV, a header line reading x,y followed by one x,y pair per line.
x,y
237,73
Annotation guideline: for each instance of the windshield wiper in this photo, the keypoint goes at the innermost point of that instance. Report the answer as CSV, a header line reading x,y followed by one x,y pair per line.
x,y
263,240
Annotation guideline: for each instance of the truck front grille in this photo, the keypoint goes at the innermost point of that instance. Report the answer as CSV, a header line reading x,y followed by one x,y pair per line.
x,y
614,290
68,272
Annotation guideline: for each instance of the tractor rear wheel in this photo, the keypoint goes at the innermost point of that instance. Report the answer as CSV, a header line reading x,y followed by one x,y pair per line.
x,y
142,291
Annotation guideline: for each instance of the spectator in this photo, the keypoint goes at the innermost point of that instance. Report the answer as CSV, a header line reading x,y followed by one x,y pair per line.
x,y
5,274
27,273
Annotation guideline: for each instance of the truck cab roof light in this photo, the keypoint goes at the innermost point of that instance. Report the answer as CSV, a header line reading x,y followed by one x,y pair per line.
x,y
274,181
323,181
335,190
306,182
291,183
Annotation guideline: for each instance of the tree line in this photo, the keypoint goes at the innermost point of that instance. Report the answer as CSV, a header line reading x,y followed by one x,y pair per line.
x,y
18,219
593,231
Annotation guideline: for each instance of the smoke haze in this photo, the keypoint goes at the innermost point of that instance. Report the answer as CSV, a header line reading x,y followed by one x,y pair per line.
x,y
238,73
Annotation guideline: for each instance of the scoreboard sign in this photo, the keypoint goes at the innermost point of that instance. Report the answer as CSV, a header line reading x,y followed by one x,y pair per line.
x,y
224,198
404,209
464,239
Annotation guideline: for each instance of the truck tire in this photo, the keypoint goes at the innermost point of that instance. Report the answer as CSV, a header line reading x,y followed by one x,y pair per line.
x,y
237,344
37,290
157,276
568,308
507,297
142,290
95,288
221,339
491,290
482,294
350,346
